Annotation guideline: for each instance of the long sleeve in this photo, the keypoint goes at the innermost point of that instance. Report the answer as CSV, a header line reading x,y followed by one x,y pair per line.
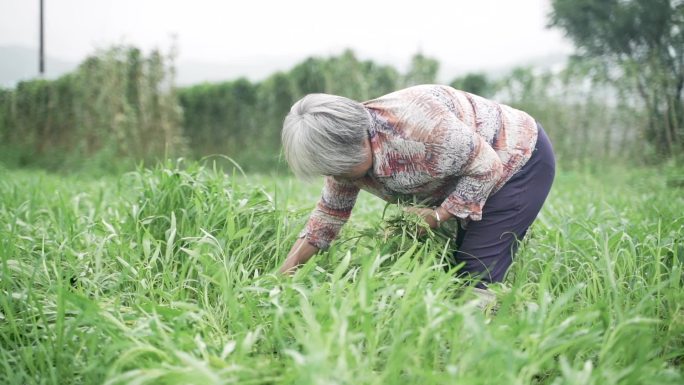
x,y
477,177
331,213
466,155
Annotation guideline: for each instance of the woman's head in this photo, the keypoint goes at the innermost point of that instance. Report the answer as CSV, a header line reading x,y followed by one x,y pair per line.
x,y
325,135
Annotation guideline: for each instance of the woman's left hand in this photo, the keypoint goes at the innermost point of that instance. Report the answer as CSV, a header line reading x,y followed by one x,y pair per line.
x,y
430,216
427,214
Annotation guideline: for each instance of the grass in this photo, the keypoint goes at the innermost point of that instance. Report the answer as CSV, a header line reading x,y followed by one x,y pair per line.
x,y
166,276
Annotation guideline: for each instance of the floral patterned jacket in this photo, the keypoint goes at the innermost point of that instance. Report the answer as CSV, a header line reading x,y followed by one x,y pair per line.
x,y
435,145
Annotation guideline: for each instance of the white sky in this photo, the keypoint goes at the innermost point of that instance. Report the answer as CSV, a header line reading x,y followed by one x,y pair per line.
x,y
463,34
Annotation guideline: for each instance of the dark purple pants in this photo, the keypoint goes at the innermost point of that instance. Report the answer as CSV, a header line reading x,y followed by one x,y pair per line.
x,y
487,246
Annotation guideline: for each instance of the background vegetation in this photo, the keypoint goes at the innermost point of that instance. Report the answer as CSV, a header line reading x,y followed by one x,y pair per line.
x,y
119,107
619,99
640,44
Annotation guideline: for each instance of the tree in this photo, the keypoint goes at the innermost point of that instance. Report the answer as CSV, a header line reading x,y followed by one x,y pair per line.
x,y
475,83
309,76
275,96
423,70
382,79
645,38
345,76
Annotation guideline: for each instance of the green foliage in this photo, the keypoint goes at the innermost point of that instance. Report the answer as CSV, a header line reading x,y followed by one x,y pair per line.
x,y
218,117
591,123
117,107
121,107
646,39
165,276
243,120
423,70
475,83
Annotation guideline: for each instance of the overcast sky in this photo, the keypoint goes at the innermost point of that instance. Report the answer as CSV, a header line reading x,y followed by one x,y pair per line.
x,y
462,34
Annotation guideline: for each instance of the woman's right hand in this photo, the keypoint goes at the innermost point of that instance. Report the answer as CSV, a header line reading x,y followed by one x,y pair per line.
x,y
300,253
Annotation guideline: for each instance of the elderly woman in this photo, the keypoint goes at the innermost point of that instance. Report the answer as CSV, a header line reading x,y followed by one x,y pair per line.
x,y
486,163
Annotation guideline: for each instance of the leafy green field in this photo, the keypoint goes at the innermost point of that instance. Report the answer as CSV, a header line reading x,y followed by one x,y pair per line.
x,y
165,276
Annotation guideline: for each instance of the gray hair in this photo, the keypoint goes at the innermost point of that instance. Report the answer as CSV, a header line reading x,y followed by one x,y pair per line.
x,y
324,135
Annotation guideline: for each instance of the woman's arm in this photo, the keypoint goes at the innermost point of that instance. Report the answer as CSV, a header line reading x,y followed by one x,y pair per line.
x,y
477,177
300,253
326,220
